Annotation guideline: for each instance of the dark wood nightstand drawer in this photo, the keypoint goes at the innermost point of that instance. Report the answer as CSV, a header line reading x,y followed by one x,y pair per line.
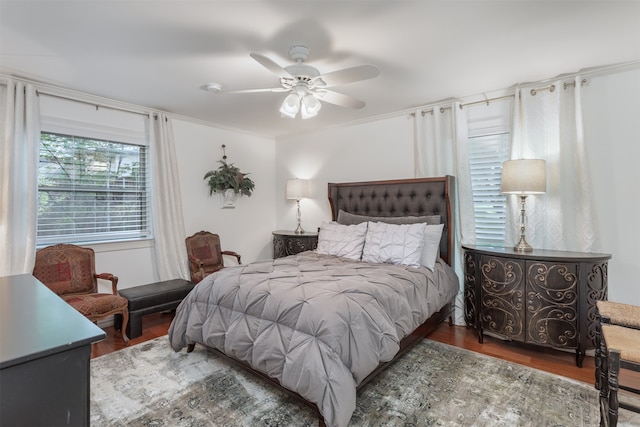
x,y
287,243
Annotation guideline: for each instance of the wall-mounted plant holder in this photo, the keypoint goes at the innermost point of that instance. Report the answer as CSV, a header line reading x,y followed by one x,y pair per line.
x,y
229,181
228,198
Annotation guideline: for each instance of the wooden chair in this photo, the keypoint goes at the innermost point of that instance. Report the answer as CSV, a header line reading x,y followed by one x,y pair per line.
x,y
618,347
70,272
205,255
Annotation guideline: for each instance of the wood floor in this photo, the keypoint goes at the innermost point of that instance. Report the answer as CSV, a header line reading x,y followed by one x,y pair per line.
x,y
554,361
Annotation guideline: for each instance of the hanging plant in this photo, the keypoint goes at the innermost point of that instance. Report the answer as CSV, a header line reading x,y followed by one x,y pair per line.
x,y
229,177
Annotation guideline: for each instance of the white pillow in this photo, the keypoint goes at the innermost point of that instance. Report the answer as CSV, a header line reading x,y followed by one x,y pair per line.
x,y
432,236
341,240
394,243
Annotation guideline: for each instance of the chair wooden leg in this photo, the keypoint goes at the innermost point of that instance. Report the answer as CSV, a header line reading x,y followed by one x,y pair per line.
x,y
604,387
123,328
613,358
599,352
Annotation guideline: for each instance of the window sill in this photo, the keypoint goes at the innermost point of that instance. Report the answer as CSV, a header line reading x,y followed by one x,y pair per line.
x,y
120,246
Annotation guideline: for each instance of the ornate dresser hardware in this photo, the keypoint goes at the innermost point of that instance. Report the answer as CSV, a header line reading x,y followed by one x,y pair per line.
x,y
544,297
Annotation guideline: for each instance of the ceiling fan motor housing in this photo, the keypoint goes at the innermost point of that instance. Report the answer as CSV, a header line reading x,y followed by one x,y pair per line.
x,y
302,73
299,52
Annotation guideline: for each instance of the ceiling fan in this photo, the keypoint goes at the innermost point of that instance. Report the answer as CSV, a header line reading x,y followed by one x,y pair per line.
x,y
306,86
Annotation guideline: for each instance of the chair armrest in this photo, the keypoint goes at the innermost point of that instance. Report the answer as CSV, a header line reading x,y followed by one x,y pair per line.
x,y
112,278
231,253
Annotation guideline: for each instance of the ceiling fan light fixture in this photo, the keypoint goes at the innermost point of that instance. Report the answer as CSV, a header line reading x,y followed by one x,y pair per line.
x,y
290,105
310,106
305,85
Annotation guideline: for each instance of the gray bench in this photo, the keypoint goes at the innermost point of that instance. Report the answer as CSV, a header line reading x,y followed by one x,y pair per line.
x,y
151,298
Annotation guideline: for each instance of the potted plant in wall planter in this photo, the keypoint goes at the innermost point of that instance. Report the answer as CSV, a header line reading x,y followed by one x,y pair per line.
x,y
229,181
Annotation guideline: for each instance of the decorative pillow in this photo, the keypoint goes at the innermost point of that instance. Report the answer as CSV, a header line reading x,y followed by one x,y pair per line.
x,y
432,236
394,243
342,240
349,218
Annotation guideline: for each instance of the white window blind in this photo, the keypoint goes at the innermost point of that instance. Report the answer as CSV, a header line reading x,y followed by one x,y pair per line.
x,y
91,190
486,155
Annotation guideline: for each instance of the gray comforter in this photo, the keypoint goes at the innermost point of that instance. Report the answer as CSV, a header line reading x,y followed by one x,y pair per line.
x,y
317,323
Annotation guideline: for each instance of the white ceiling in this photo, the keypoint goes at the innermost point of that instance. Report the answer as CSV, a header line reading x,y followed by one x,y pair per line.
x,y
158,54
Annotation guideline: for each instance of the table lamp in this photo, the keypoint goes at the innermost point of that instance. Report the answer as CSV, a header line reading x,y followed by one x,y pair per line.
x,y
523,177
297,189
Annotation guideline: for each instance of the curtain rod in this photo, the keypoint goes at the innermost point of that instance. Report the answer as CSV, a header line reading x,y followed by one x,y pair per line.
x,y
550,88
442,110
487,101
97,105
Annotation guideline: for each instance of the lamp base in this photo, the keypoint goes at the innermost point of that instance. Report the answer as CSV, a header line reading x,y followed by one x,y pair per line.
x,y
299,229
522,246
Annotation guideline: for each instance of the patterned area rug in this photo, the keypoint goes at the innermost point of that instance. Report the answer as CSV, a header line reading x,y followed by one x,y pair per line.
x,y
432,385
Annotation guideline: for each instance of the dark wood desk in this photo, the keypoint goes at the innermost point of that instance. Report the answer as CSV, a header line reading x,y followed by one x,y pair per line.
x,y
45,350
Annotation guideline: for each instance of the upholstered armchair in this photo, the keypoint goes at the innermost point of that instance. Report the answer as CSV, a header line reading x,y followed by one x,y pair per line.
x,y
205,255
70,272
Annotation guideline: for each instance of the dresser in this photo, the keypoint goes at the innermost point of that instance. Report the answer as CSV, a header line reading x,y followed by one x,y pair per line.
x,y
287,243
546,298
45,351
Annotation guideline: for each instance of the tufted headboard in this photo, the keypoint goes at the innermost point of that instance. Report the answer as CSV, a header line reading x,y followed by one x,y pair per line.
x,y
402,197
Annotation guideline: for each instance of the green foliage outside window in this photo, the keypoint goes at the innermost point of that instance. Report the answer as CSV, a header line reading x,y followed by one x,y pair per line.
x,y
90,190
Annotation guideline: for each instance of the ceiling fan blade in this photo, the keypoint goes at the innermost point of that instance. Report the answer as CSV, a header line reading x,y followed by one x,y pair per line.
x,y
273,89
349,75
338,99
271,65
217,88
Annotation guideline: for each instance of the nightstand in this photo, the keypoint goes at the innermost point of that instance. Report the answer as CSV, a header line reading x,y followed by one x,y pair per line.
x,y
546,298
287,242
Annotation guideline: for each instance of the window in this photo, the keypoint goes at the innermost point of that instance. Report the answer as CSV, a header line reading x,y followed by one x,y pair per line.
x,y
486,155
91,190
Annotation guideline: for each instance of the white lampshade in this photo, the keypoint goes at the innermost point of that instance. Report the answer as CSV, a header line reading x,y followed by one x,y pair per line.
x,y
290,105
297,189
310,106
524,176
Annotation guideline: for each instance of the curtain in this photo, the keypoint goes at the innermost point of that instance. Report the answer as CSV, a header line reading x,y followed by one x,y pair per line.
x,y
19,178
168,223
441,148
548,125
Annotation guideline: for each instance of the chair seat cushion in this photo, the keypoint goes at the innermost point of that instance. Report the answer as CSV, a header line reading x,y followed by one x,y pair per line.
x,y
96,304
625,340
620,313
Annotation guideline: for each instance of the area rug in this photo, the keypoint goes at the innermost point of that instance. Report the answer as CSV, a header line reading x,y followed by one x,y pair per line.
x,y
432,385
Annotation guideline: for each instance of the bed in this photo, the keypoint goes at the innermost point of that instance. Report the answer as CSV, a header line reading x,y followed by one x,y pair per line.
x,y
322,323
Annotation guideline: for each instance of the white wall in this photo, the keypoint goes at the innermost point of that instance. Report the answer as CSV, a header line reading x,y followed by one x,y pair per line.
x,y
612,135
375,150
246,228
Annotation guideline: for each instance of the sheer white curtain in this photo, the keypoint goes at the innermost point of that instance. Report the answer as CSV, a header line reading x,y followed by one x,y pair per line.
x,y
18,177
168,223
548,125
441,148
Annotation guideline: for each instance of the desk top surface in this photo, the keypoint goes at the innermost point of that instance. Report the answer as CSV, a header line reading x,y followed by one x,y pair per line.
x,y
539,254
35,322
